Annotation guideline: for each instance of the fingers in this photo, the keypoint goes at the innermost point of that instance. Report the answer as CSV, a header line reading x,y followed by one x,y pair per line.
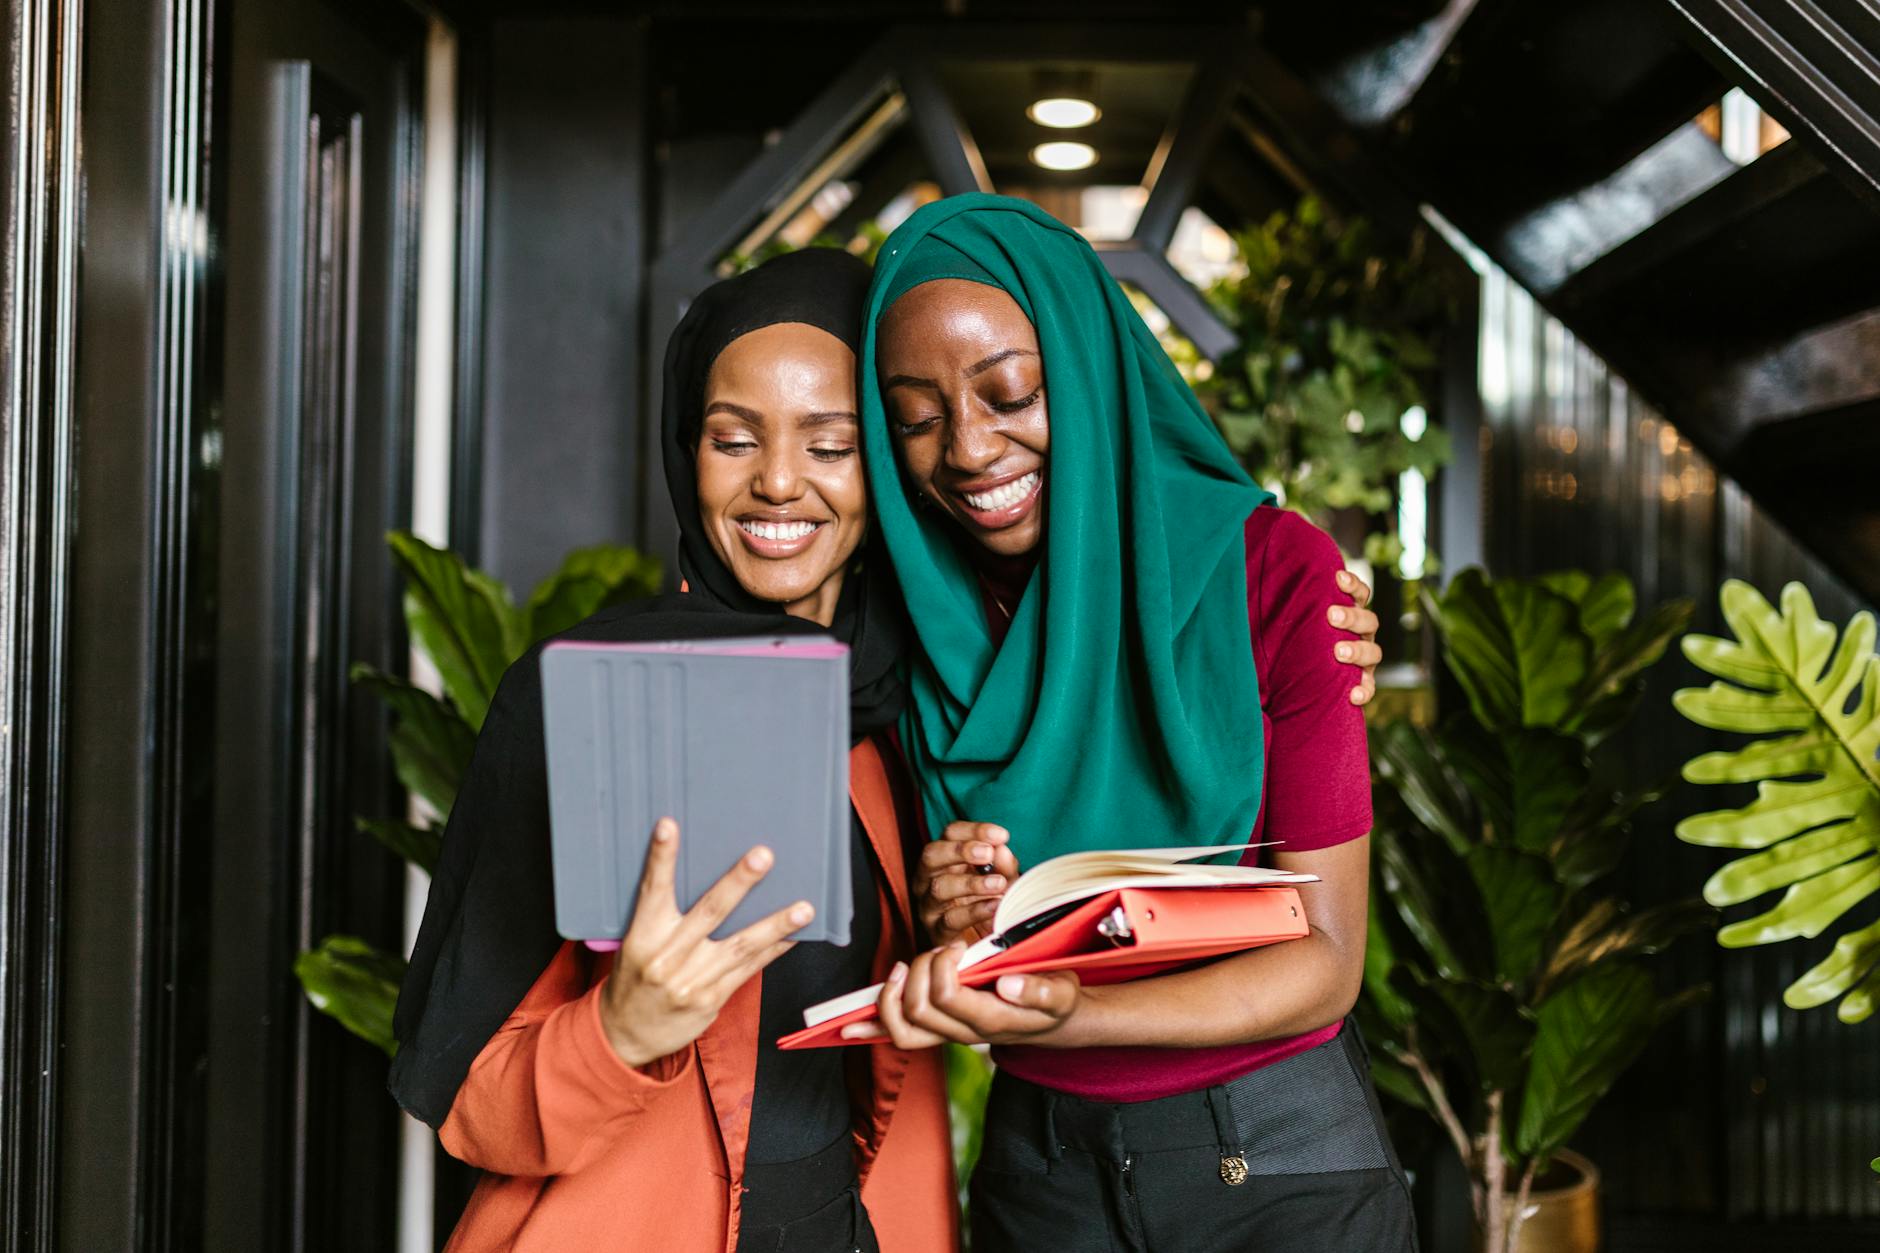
x,y
1361,622
1054,995
970,844
968,920
892,1020
748,951
990,1016
960,884
657,907
740,973
1362,694
917,998
723,897
1354,587
1360,653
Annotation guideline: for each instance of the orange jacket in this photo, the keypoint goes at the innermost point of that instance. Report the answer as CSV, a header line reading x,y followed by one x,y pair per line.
x,y
583,1151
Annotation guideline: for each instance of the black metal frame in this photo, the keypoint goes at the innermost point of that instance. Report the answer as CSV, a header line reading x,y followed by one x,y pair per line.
x,y
905,59
40,175
1817,66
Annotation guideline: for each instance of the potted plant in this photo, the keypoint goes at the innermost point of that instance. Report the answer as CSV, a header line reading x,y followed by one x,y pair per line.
x,y
1505,990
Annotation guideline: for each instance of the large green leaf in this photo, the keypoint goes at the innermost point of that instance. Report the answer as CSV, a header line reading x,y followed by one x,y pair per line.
x,y
1482,1027
589,579
1606,930
1432,895
463,621
1610,690
1407,759
1516,648
1814,826
430,744
1522,900
1590,1031
1594,833
1605,605
354,982
421,846
1525,781
1856,958
1380,960
969,1083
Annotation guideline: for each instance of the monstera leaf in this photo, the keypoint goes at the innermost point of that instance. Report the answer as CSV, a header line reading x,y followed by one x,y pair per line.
x,y
1814,827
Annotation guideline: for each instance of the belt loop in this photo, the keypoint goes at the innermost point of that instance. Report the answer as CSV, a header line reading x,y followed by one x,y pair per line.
x,y
1052,1149
1233,1152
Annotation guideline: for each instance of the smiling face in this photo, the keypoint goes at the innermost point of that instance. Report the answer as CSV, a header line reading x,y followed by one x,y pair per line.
x,y
780,486
964,389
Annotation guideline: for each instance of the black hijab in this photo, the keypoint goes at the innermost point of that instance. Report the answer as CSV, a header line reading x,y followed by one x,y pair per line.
x,y
489,922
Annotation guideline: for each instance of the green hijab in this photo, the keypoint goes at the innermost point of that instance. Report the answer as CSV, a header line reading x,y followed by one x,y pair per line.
x,y
1122,708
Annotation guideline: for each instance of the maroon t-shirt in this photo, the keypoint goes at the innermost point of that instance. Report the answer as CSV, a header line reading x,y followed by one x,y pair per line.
x,y
1316,793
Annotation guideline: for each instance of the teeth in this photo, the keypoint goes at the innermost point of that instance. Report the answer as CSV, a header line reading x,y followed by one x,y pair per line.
x,y
779,530
1003,496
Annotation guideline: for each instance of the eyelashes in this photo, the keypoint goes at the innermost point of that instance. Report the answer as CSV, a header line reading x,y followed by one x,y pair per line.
x,y
743,447
909,430
1016,406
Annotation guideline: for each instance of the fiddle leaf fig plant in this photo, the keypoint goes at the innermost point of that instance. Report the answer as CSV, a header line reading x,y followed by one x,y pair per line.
x,y
1813,831
470,629
1505,990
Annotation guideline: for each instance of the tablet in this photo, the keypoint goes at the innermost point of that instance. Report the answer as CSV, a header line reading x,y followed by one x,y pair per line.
x,y
742,741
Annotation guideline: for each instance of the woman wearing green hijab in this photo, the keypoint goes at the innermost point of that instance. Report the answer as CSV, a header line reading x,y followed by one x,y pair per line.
x,y
1122,643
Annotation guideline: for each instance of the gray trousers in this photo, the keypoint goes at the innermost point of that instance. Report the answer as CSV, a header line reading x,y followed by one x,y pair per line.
x,y
1303,1138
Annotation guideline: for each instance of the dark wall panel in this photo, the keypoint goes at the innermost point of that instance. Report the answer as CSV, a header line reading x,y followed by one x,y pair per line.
x,y
567,224
1743,1116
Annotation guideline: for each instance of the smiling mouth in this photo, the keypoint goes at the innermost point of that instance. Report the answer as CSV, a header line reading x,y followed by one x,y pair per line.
x,y
1005,504
778,538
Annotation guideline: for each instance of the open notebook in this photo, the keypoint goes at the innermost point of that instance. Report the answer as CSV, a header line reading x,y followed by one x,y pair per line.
x,y
1110,915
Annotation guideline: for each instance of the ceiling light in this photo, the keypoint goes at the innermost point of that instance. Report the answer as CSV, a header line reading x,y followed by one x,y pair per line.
x,y
1064,155
1063,112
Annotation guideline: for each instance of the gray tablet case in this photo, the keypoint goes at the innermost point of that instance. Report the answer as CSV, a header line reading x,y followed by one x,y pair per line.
x,y
741,741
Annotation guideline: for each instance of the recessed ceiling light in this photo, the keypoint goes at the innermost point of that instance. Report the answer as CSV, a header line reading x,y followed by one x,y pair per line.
x,y
1064,155
1063,112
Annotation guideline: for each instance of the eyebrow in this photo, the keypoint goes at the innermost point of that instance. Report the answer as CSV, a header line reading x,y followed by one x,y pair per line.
x,y
754,418
972,371
982,366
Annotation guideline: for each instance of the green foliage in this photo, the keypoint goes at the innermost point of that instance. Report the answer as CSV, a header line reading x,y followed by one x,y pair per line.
x,y
466,624
969,1082
354,982
1337,341
1813,830
1505,993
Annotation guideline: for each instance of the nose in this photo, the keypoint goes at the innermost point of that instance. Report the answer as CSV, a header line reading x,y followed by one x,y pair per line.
x,y
974,440
776,477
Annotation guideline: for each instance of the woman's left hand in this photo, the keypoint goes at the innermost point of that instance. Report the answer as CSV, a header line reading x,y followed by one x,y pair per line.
x,y
924,1004
1362,652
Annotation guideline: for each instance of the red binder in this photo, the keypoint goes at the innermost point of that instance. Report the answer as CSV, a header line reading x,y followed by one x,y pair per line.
x,y
1115,936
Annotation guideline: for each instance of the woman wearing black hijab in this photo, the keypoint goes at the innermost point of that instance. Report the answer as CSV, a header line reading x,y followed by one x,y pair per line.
x,y
639,1101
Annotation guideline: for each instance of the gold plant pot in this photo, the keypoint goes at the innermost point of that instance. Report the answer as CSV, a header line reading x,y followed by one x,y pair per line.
x,y
1563,1218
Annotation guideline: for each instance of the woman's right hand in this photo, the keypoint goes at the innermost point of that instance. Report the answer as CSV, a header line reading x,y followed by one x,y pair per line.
x,y
670,978
954,891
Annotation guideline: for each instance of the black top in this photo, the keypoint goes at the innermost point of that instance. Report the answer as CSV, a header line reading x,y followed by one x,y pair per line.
x,y
802,1101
